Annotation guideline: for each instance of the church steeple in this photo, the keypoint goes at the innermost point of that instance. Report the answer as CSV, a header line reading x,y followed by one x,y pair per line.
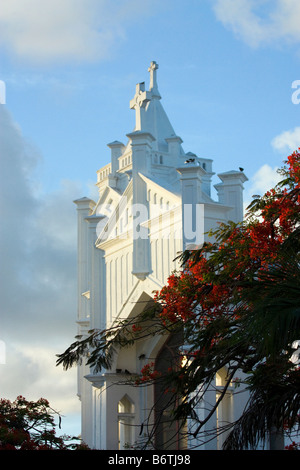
x,y
149,113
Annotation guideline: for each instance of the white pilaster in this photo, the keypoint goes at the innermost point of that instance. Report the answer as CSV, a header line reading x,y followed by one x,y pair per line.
x,y
174,143
84,208
192,206
97,282
141,146
230,193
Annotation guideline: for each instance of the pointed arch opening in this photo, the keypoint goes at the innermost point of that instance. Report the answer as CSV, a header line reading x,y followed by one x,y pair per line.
x,y
126,415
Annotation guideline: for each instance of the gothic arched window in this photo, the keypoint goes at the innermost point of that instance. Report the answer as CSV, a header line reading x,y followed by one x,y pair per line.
x,y
126,411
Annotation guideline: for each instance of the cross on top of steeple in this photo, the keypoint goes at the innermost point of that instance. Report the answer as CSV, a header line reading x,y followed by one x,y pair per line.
x,y
153,76
153,79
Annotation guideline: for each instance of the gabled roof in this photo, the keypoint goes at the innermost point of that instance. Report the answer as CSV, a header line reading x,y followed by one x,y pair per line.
x,y
163,187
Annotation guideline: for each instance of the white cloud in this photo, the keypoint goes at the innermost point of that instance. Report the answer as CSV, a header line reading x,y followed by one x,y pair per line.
x,y
33,369
287,141
76,30
263,180
260,22
43,31
37,275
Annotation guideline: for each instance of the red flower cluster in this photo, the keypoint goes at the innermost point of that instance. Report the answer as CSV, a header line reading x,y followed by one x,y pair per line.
x,y
294,167
148,374
293,446
136,328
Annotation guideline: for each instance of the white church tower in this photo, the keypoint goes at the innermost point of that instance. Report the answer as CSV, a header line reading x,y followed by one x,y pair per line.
x,y
154,201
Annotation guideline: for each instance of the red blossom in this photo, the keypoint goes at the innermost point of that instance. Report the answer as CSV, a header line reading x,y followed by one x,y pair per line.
x,y
136,328
148,374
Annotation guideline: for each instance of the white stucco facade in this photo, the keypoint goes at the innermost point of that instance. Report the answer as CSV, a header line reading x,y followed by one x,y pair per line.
x,y
154,200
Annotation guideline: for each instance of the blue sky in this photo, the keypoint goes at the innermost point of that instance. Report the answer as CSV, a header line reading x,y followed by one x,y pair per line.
x,y
226,75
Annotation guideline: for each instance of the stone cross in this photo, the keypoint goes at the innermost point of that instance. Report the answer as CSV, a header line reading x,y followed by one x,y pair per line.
x,y
153,80
139,101
153,76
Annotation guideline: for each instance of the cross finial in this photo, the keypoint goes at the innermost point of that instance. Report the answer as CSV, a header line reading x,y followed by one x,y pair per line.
x,y
138,103
153,79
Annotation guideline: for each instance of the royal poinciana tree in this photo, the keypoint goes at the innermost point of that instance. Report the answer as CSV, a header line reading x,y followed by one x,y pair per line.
x,y
30,425
235,305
